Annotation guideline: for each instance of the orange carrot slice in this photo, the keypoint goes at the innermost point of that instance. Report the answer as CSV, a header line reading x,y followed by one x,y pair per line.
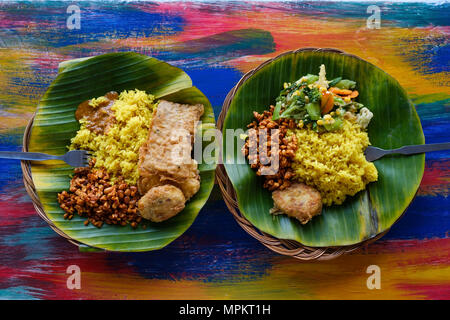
x,y
341,92
354,94
327,102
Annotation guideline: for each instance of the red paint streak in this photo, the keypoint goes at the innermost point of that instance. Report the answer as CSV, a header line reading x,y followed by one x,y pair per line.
x,y
429,291
13,209
400,246
12,21
48,60
50,276
47,279
196,16
428,248
440,29
282,25
5,22
436,179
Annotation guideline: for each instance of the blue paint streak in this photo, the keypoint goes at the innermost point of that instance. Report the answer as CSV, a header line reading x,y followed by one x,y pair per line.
x,y
18,293
427,217
218,48
438,57
98,21
428,55
435,119
11,172
214,249
34,230
405,15
215,83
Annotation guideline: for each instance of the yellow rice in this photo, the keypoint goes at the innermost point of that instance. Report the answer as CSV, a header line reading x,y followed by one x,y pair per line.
x,y
333,162
118,149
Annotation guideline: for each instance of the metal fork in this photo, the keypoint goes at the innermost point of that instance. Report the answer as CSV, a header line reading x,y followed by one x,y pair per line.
x,y
374,153
75,158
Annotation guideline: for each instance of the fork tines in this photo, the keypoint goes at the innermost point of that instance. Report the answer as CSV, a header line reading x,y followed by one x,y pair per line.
x,y
86,157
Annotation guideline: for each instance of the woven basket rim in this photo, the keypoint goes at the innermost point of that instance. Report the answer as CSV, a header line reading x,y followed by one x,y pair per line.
x,y
286,247
31,189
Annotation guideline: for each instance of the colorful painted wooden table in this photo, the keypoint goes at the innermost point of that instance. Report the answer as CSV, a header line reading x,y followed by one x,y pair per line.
x,y
215,43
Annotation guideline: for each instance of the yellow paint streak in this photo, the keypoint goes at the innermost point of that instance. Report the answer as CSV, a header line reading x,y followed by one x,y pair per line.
x,y
14,64
346,277
13,122
128,286
406,269
381,47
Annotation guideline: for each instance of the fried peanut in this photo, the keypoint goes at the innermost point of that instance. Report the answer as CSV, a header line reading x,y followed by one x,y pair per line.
x,y
93,196
277,177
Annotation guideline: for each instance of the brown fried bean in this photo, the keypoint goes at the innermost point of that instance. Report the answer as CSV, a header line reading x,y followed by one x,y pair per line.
x,y
108,190
94,196
276,177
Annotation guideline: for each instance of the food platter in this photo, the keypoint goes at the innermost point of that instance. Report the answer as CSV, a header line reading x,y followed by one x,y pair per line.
x,y
361,218
54,125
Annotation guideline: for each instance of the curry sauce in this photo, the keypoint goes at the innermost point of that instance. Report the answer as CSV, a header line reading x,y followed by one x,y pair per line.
x,y
100,118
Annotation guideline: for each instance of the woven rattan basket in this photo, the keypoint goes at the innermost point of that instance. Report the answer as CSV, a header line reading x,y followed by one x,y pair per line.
x,y
31,190
285,247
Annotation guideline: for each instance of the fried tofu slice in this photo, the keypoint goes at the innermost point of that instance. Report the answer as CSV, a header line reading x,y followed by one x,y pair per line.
x,y
167,152
298,201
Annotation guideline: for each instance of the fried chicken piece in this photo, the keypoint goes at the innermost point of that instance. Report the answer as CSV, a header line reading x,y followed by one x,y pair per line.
x,y
297,201
161,203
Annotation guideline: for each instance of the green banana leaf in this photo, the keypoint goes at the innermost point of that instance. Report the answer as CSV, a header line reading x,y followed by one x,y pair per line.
x,y
55,124
395,123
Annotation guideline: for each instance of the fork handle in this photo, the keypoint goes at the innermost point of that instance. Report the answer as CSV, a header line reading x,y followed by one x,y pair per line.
x,y
420,148
27,156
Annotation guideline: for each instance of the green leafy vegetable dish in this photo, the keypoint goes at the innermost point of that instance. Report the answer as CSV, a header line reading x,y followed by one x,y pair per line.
x,y
323,104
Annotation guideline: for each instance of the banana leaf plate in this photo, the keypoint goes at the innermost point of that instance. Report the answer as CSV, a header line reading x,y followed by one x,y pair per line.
x,y
363,217
55,124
